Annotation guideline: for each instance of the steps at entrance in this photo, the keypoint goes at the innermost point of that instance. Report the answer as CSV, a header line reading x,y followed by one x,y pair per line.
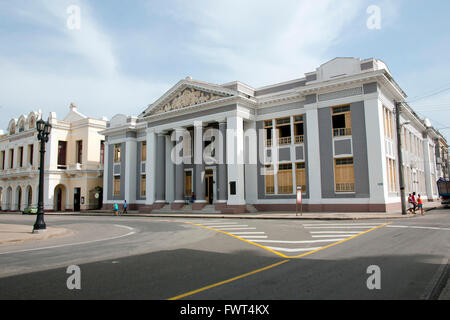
x,y
251,209
210,208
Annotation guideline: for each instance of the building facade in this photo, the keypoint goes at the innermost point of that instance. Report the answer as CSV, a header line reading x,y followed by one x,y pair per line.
x,y
234,148
73,163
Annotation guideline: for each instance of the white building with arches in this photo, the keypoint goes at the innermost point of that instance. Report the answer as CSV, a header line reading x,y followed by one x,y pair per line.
x,y
73,163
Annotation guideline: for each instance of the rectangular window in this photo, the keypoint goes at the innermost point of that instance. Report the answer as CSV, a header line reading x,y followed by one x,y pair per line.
x,y
11,158
300,176
102,152
79,150
268,127
299,132
20,159
3,159
117,154
143,185
284,178
284,131
391,174
188,183
270,180
342,121
116,187
144,151
30,154
62,152
344,175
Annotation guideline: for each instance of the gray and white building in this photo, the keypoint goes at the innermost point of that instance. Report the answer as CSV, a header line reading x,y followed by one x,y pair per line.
x,y
238,148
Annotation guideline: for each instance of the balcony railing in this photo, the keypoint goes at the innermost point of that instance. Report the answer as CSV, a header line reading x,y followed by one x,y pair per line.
x,y
299,139
345,187
284,141
341,132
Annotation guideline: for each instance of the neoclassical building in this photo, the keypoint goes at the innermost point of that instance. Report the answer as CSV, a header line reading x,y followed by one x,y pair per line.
x,y
237,148
73,163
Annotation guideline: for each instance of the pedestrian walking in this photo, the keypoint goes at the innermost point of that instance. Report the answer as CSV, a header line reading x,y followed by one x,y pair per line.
x,y
410,204
420,204
116,209
414,202
125,207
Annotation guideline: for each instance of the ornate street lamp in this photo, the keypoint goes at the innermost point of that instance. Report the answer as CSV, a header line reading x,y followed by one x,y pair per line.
x,y
44,129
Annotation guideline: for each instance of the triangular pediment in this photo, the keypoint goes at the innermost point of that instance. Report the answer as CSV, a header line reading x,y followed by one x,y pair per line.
x,y
187,93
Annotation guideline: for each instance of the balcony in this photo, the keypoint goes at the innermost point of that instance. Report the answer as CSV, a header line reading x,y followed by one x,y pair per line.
x,y
342,132
299,139
345,187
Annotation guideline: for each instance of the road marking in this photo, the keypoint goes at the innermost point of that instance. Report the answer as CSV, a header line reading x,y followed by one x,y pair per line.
x,y
334,235
219,224
254,237
268,267
322,232
73,244
257,232
293,250
418,227
299,242
228,229
355,227
283,255
341,224
227,281
228,226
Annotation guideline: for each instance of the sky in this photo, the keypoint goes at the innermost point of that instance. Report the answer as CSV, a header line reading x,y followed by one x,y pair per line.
x,y
118,57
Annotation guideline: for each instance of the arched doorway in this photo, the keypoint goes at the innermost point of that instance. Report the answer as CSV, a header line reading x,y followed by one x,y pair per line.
x,y
60,198
8,202
18,198
29,196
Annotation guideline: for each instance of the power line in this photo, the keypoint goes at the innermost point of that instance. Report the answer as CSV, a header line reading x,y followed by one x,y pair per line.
x,y
430,95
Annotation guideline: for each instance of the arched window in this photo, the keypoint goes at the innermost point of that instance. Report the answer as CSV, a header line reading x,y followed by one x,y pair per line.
x,y
21,126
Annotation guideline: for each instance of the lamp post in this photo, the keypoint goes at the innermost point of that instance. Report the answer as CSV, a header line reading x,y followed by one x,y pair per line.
x,y
400,156
43,129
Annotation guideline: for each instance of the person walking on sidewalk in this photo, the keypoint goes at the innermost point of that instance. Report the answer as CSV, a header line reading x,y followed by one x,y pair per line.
x,y
420,204
116,209
125,207
414,202
410,204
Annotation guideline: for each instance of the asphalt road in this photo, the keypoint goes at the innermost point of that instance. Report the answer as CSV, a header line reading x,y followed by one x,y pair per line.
x,y
156,258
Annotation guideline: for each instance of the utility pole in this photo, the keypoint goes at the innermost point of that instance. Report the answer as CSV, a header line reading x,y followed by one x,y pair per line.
x,y
400,156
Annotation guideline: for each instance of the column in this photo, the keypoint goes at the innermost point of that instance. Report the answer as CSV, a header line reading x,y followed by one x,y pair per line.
x,y
427,165
160,173
222,182
130,169
313,150
235,160
177,158
106,176
199,167
378,190
150,168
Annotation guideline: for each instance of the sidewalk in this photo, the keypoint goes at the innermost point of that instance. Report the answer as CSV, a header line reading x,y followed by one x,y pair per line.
x,y
15,233
264,215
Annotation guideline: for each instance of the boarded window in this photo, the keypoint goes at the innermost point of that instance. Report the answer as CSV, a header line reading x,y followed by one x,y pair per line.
x,y
300,176
117,153
144,151
116,187
187,183
344,175
285,178
269,180
143,185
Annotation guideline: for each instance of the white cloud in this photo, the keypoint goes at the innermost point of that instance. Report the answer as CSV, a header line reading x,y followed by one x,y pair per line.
x,y
265,41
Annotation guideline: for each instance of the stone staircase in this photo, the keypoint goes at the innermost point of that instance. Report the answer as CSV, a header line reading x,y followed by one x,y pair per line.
x,y
210,208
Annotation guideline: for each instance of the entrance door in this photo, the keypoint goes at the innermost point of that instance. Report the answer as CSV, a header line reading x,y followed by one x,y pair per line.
x,y
58,199
77,199
209,185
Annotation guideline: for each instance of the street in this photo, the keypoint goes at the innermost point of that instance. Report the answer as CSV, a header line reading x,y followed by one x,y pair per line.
x,y
231,259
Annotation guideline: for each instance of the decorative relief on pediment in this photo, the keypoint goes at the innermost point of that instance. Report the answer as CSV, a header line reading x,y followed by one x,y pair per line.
x,y
186,98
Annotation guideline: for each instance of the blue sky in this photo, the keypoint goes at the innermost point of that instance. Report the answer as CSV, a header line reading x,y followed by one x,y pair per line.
x,y
127,54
